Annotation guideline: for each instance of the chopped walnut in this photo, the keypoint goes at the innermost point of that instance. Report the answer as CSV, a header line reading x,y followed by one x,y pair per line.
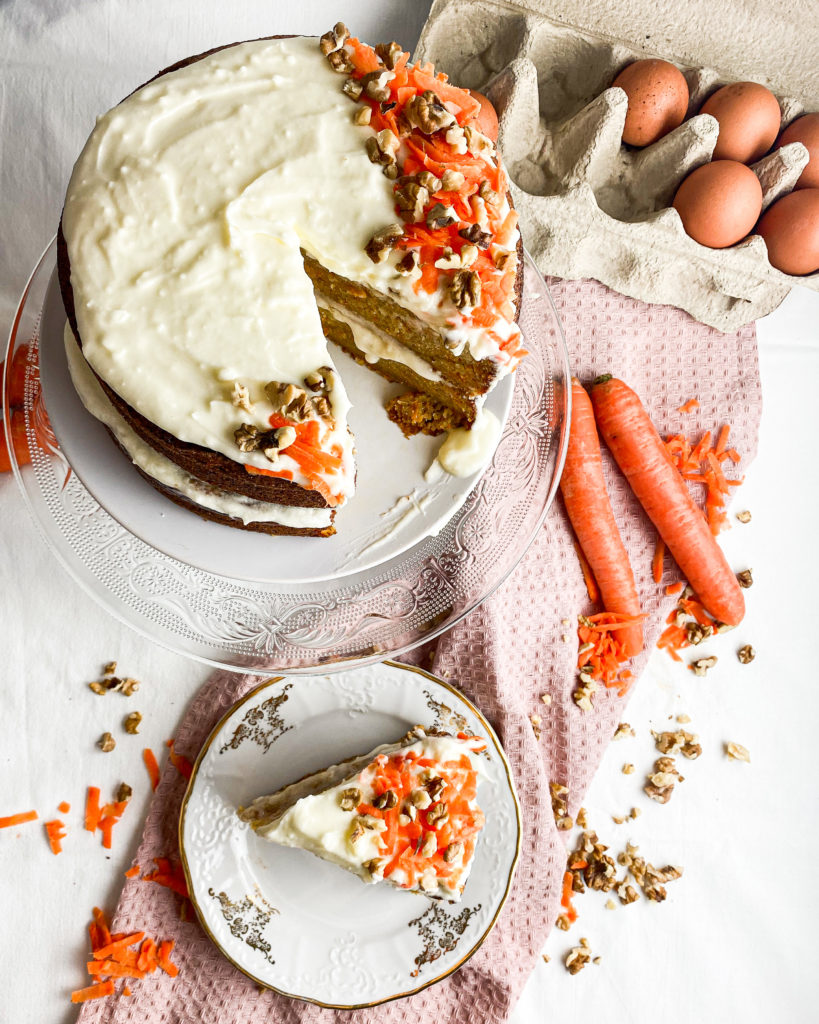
x,y
438,814
560,806
536,721
429,181
582,820
628,768
106,743
353,88
375,83
124,793
452,181
746,654
131,723
660,783
562,922
363,115
745,578
546,958
321,379
465,289
350,799
736,752
382,242
427,113
334,39
411,200
420,798
622,731
679,742
701,666
744,517
610,904
409,265
449,260
469,254
475,235
635,812
500,257
440,216
110,669
375,867
429,846
250,438
453,852
339,60
386,800
456,137
477,143
695,632
577,958
618,819
389,53
683,719
546,698
382,149
488,194
240,397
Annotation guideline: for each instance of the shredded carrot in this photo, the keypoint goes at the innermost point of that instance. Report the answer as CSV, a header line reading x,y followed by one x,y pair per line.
x,y
116,946
657,561
18,819
601,652
64,807
149,758
55,830
164,958
674,588
172,876
102,931
82,995
689,406
179,761
92,809
126,991
132,872
702,464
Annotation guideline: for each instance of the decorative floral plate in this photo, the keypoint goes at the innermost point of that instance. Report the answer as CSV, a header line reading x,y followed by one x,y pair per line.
x,y
295,923
267,626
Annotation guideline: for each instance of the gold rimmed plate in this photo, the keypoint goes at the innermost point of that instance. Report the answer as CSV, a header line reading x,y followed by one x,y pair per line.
x,y
295,923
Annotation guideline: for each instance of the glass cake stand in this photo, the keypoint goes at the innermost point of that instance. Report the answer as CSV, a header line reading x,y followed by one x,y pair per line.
x,y
363,617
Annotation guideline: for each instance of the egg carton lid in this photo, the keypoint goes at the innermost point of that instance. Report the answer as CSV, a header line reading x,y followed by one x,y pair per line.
x,y
641,252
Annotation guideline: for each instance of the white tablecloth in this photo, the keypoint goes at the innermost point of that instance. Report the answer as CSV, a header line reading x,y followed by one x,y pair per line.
x,y
735,937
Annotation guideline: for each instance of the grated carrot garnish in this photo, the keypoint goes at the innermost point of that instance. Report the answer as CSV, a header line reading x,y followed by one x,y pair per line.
x,y
689,406
18,819
83,995
92,809
149,758
55,830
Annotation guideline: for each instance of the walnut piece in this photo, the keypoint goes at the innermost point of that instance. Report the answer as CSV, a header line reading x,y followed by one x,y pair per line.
x,y
745,578
386,800
240,397
736,752
339,60
350,799
440,216
427,113
679,742
131,723
379,246
465,289
622,731
744,517
701,666
375,83
746,654
334,39
411,199
106,743
475,235
124,793
389,53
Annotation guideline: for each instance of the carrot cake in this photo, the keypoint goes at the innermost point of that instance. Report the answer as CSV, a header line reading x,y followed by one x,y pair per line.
x,y
245,206
406,813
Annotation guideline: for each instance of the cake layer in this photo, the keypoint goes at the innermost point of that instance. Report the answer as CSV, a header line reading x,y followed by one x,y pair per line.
x,y
174,482
405,813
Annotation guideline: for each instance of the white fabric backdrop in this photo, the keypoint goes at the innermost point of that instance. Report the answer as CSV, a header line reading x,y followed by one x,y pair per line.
x,y
735,937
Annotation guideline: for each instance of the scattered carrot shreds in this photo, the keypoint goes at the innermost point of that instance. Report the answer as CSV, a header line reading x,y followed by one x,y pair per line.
x,y
689,406
601,653
82,995
657,561
126,991
172,876
702,464
55,830
92,809
18,819
132,872
674,588
149,758
103,933
588,575
163,958
179,761
64,807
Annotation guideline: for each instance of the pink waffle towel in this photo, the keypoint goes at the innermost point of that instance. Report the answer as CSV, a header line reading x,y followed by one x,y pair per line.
x,y
503,661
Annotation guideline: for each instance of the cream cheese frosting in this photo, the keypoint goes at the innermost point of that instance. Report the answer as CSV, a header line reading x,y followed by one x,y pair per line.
x,y
155,465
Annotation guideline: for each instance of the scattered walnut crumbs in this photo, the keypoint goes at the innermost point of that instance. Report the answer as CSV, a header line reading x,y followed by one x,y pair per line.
x,y
110,681
106,743
560,806
622,731
660,783
679,742
736,752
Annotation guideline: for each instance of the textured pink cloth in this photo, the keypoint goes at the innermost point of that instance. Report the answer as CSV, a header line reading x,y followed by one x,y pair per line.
x,y
503,657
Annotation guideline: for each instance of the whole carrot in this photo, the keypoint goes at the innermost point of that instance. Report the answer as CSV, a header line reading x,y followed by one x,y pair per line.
x,y
661,490
587,503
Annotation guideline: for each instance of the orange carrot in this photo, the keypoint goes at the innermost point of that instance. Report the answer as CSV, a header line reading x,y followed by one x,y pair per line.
x,y
689,406
164,958
149,758
132,872
661,490
587,503
674,588
82,995
179,761
92,809
588,575
657,561
55,832
116,946
18,819
102,930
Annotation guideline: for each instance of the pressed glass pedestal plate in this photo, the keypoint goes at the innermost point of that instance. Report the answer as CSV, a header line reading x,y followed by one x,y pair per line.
x,y
362,617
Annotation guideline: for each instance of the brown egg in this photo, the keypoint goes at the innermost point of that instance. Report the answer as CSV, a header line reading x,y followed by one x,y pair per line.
x,y
805,129
657,100
719,203
487,119
749,119
791,231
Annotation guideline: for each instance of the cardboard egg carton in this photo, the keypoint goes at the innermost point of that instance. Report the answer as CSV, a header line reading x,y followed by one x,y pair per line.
x,y
592,207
